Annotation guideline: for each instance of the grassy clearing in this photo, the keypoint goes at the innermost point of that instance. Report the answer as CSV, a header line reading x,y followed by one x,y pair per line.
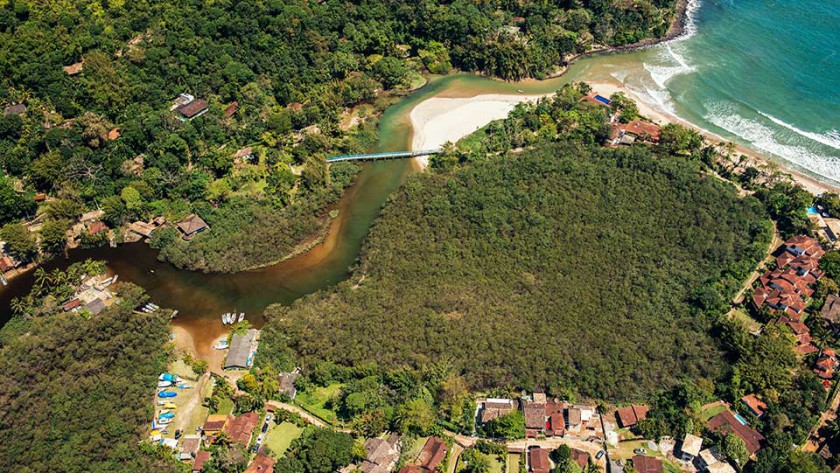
x,y
752,325
225,406
412,449
496,464
279,437
315,401
711,412
514,460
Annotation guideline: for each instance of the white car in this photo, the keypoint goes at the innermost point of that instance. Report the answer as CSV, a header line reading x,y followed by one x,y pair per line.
x,y
259,439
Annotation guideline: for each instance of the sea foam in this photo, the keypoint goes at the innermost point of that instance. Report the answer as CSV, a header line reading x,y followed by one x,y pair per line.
x,y
762,136
830,138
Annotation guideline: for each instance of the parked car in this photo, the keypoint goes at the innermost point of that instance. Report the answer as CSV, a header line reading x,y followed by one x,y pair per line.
x,y
640,451
265,427
260,439
600,454
256,447
177,434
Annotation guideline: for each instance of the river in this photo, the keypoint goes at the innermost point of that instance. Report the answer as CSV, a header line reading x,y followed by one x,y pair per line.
x,y
665,75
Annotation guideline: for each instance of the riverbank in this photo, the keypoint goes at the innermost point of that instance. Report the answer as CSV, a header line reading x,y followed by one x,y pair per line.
x,y
439,120
755,159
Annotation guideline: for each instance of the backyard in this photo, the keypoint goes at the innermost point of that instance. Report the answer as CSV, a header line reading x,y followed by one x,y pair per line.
x,y
280,436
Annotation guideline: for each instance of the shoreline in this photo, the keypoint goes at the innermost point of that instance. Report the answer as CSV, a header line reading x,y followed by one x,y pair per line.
x,y
755,158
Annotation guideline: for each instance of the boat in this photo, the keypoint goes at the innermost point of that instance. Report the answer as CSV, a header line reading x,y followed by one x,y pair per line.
x,y
164,384
164,421
222,344
241,316
162,403
184,386
169,405
164,411
166,415
166,394
168,377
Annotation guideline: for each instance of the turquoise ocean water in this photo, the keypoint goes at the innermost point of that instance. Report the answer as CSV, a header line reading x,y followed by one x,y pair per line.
x,y
764,73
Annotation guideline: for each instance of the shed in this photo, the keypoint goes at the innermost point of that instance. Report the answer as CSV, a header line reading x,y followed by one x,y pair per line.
x,y
15,109
95,306
691,447
240,350
74,69
231,109
191,226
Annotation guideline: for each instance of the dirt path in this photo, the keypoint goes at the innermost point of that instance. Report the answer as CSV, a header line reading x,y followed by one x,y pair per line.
x,y
187,411
297,410
775,242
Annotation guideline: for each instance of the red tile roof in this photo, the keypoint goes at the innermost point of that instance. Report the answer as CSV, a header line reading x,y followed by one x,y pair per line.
x,y
231,109
580,457
97,227
193,108
241,428
538,460
200,458
726,422
630,415
640,128
434,451
262,464
644,464
756,405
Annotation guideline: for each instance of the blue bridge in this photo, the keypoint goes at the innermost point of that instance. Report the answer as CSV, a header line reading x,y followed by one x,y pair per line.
x,y
387,155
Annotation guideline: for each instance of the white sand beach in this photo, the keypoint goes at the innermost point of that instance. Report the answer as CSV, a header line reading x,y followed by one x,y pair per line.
x,y
440,120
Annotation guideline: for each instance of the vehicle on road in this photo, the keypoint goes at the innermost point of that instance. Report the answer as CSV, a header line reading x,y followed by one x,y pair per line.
x,y
640,451
600,454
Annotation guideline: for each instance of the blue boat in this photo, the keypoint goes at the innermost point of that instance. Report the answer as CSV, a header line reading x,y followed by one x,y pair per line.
x,y
167,415
165,394
168,377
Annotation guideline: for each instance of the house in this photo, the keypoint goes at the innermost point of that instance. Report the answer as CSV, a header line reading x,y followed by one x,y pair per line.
x,y
95,306
231,109
580,457
113,134
241,428
287,383
142,228
538,460
727,422
295,106
380,455
630,415
261,464
200,459
97,227
244,154
754,404
433,453
644,464
193,110
74,303
492,408
708,457
241,346
574,419
643,131
6,264
40,197
831,311
74,69
691,446
832,229
189,447
15,109
826,364
191,226
534,411
556,421
720,467
213,426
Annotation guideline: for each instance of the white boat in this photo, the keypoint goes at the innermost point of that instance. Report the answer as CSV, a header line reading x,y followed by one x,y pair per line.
x,y
164,384
241,316
224,319
164,421
222,344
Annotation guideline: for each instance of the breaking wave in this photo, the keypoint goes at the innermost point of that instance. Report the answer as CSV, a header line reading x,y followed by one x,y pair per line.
x,y
830,138
763,137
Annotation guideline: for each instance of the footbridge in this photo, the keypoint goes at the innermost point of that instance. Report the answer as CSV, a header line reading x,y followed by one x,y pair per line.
x,y
386,155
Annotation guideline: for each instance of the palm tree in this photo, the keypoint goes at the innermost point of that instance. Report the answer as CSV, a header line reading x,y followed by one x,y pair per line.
x,y
42,280
19,305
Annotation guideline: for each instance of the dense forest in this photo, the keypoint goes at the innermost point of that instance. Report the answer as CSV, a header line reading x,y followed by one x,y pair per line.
x,y
75,392
510,266
87,91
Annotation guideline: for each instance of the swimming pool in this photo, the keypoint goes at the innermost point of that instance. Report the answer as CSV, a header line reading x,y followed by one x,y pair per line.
x,y
741,419
812,211
603,100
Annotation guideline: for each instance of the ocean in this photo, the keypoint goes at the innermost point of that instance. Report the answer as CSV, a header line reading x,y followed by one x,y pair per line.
x,y
762,73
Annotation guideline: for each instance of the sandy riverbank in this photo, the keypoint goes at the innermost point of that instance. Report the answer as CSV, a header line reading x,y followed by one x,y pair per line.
x,y
439,120
662,117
